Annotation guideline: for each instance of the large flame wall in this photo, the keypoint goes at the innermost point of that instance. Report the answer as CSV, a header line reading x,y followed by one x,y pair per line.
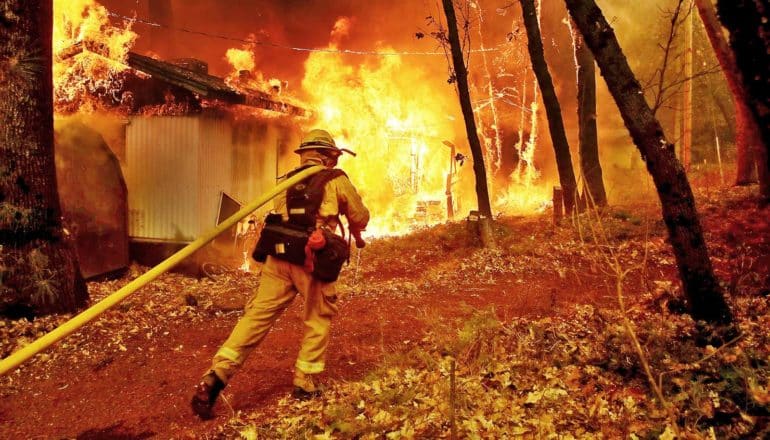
x,y
387,111
396,111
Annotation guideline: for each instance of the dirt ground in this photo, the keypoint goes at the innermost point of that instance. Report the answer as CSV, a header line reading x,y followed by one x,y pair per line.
x,y
130,374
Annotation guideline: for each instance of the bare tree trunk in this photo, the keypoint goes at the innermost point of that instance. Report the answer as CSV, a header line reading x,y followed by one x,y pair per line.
x,y
749,24
747,137
589,139
552,107
687,94
38,267
705,297
461,76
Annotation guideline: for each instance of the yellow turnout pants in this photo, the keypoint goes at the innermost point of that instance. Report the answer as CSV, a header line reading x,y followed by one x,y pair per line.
x,y
278,286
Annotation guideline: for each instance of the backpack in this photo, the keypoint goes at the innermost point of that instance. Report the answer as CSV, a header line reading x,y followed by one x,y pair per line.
x,y
286,240
303,200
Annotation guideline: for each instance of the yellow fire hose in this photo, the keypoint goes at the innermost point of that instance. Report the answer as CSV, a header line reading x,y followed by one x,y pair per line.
x,y
20,356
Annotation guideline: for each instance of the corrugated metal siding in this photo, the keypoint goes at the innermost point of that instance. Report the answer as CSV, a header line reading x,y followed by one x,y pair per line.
x,y
215,168
162,157
242,138
254,151
177,166
264,171
265,168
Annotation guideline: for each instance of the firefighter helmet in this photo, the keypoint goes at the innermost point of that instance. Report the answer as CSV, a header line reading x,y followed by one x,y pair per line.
x,y
320,140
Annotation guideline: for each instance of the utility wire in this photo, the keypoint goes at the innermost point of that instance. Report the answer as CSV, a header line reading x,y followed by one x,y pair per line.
x,y
280,46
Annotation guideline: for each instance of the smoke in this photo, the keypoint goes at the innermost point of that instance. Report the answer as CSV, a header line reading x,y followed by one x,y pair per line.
x,y
641,29
292,23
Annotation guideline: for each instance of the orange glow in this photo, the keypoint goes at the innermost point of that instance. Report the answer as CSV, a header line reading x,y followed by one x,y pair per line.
x,y
386,108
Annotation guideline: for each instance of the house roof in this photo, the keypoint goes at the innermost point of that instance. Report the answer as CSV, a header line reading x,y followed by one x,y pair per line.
x,y
209,86
200,83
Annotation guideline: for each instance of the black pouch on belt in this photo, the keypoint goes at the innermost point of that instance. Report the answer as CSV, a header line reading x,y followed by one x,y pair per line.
x,y
281,240
329,259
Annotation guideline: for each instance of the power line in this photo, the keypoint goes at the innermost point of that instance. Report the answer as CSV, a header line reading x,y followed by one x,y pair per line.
x,y
280,46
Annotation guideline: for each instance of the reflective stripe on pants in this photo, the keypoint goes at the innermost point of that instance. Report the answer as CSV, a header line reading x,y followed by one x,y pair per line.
x,y
279,284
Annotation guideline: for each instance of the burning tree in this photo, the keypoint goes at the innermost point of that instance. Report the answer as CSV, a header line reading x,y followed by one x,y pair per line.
x,y
552,107
38,267
705,297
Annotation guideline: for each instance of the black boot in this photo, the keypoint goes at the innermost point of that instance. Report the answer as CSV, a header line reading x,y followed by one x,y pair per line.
x,y
303,395
206,393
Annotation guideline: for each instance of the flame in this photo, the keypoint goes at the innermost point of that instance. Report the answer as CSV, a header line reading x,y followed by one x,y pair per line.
x,y
241,59
89,52
387,112
246,265
525,193
245,75
494,151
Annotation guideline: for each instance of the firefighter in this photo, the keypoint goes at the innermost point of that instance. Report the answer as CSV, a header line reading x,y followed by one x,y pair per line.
x,y
281,280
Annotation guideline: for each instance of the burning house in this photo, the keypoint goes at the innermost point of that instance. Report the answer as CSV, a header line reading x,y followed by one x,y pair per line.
x,y
187,140
191,148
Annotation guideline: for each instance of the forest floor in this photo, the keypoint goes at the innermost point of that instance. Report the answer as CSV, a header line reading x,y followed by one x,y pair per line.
x,y
435,335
